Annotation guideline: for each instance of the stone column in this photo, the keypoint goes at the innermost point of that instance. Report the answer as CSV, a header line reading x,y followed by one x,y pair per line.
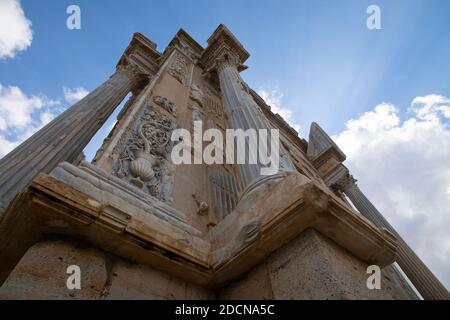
x,y
64,138
243,113
421,277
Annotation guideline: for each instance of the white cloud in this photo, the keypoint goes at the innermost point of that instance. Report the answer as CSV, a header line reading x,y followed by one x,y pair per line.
x,y
22,115
274,99
16,108
46,117
15,29
431,106
404,168
75,94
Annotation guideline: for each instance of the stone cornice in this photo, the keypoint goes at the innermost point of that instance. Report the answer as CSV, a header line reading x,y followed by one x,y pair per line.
x,y
222,33
262,222
223,43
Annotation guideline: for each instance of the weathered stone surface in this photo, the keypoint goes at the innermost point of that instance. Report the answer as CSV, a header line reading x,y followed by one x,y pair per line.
x,y
41,273
312,267
255,285
133,281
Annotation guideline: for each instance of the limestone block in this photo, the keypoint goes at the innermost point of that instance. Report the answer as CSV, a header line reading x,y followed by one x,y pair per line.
x,y
41,273
254,286
313,267
134,281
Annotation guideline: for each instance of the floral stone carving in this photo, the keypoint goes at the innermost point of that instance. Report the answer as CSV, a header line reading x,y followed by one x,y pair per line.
x,y
144,157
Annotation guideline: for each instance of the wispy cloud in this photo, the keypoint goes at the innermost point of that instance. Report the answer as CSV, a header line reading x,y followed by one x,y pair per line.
x,y
74,95
21,114
274,98
15,29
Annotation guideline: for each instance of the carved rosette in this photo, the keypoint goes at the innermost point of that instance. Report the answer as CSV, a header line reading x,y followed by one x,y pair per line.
x,y
144,156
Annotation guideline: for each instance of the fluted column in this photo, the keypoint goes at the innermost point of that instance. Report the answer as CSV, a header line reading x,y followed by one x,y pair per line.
x,y
421,277
243,113
64,138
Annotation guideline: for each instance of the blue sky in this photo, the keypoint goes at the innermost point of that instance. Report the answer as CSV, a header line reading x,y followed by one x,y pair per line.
x,y
314,59
320,54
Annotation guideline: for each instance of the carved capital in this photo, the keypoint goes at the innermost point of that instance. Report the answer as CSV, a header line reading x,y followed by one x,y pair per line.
x,y
227,60
345,182
224,50
133,73
340,179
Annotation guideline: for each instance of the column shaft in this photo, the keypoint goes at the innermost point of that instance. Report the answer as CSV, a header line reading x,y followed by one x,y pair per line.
x,y
64,138
422,278
244,114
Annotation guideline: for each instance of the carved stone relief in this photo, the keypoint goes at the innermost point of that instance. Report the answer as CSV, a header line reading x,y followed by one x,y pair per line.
x,y
197,94
202,206
144,159
179,68
213,107
167,105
